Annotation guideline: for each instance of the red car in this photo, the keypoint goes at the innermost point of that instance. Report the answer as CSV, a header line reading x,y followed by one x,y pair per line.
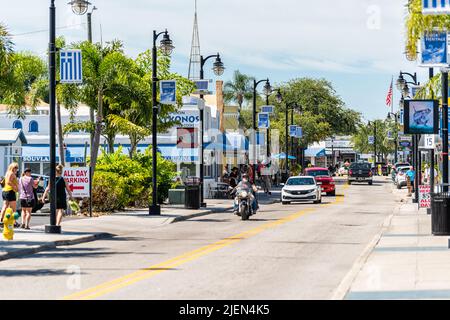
x,y
323,176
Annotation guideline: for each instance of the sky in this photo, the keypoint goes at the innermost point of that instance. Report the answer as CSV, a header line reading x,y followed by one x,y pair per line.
x,y
358,45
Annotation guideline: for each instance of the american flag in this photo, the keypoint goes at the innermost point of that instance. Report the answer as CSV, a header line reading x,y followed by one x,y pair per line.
x,y
389,95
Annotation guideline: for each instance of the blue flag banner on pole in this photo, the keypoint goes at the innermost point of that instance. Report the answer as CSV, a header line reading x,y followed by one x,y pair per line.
x,y
435,6
71,66
168,92
434,52
299,132
263,121
292,131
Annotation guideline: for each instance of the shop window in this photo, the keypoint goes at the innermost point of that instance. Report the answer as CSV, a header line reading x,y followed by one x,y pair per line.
x,y
35,167
17,124
33,127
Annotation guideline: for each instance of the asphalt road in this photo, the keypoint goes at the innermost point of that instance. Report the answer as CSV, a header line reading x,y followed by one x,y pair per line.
x,y
301,251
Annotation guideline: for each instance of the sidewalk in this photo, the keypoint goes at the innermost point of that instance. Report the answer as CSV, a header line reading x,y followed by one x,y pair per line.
x,y
407,262
124,223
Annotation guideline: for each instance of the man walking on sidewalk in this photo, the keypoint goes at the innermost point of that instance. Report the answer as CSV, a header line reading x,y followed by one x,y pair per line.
x,y
411,174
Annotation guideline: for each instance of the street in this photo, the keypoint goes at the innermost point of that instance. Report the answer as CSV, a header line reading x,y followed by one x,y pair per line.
x,y
300,251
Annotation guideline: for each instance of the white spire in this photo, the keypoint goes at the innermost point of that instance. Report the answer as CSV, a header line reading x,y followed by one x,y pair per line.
x,y
194,62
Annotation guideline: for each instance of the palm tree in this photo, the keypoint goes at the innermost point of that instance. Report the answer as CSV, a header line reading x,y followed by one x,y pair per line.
x,y
6,51
239,89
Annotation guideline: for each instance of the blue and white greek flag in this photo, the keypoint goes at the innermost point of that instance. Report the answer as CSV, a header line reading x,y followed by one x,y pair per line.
x,y
435,6
71,66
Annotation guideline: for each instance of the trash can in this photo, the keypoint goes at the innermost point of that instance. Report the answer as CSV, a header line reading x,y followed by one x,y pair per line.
x,y
192,194
440,214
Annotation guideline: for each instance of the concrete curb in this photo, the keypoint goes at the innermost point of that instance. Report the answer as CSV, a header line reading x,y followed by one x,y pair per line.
x,y
53,245
341,291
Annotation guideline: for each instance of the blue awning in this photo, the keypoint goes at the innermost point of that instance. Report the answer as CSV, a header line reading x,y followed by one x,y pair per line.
x,y
315,152
42,154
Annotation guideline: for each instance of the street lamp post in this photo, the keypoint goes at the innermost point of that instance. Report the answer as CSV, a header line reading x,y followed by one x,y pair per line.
x,y
218,69
445,127
374,123
267,90
80,7
396,116
290,106
166,48
402,86
52,228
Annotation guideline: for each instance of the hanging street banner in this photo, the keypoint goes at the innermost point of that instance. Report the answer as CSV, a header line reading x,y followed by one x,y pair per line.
x,y
168,92
263,121
78,181
421,117
434,49
435,7
71,67
292,131
268,109
299,132
202,87
371,140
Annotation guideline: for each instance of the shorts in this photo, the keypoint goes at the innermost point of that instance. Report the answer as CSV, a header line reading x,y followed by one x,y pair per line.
x,y
61,204
9,196
27,203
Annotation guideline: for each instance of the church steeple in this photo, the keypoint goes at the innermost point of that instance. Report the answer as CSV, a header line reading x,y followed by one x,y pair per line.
x,y
194,62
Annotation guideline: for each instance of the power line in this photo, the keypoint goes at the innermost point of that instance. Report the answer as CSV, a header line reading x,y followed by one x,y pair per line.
x,y
46,30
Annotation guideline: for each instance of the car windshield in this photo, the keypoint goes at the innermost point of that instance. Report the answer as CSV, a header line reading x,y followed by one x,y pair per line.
x,y
316,173
360,166
301,182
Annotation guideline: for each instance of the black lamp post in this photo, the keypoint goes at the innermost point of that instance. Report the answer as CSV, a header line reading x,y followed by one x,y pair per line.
x,y
374,123
52,228
444,72
80,7
396,116
402,86
166,48
218,69
267,90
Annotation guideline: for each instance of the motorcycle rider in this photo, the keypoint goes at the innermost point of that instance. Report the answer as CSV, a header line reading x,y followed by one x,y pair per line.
x,y
245,184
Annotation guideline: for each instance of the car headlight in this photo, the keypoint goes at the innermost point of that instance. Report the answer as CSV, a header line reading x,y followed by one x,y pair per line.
x,y
287,191
314,190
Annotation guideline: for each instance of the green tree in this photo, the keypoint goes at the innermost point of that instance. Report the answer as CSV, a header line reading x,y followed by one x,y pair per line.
x,y
385,146
6,52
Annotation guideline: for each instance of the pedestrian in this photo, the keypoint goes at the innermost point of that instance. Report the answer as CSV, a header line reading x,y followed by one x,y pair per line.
x,y
411,174
266,172
26,196
61,196
10,187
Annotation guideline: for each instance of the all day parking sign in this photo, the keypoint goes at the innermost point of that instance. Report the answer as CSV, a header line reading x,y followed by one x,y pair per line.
x,y
78,181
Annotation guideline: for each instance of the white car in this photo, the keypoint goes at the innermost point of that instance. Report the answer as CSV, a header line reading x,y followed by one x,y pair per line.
x,y
400,177
300,189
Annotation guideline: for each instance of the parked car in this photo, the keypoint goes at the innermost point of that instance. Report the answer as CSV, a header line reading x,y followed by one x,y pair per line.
x,y
323,176
360,172
301,189
395,168
400,178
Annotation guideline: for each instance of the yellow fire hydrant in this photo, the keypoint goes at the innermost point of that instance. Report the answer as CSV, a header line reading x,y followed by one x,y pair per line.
x,y
8,224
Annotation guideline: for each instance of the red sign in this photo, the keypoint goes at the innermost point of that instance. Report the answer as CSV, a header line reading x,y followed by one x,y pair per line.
x,y
78,180
425,196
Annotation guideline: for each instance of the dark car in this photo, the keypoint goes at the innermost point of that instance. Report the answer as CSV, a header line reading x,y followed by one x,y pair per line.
x,y
360,172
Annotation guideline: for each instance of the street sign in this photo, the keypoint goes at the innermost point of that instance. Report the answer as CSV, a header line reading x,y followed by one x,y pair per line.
x,y
71,66
168,92
389,135
292,131
299,132
425,196
267,109
435,7
405,144
371,140
78,181
263,121
429,141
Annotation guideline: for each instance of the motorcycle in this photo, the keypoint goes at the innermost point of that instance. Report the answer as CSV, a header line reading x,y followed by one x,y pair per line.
x,y
244,202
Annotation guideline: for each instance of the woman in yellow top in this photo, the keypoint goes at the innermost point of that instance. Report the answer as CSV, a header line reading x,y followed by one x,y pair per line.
x,y
10,189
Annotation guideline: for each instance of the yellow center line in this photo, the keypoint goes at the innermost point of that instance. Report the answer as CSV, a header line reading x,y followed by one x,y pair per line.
x,y
127,280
